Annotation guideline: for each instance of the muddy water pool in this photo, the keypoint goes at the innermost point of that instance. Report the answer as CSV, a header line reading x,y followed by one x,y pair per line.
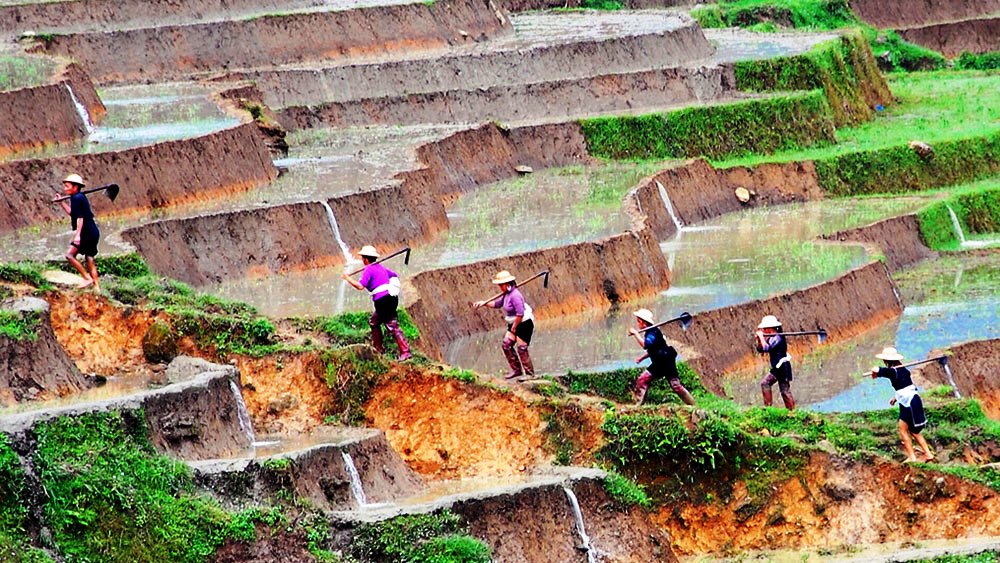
x,y
144,115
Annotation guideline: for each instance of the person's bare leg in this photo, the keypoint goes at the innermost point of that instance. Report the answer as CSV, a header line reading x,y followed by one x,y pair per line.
x,y
928,454
71,258
904,433
93,273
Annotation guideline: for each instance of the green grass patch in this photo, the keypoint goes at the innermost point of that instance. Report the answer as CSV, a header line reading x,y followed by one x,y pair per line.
x,y
112,498
977,212
717,131
352,328
610,5
984,557
129,265
843,69
29,273
441,537
19,71
898,55
798,14
617,385
984,61
626,491
15,541
352,373
19,325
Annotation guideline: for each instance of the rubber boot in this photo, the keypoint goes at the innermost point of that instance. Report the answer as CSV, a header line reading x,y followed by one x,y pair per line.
x,y
768,394
376,327
526,365
512,361
789,400
397,333
682,392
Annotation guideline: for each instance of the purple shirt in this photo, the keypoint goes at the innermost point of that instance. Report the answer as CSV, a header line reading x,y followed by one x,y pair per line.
x,y
376,276
512,303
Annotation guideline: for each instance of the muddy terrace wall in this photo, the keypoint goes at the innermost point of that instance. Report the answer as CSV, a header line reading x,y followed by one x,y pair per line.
x,y
597,94
32,118
41,16
153,176
528,5
176,51
910,13
898,238
318,474
698,191
559,61
846,306
975,366
196,419
212,248
951,39
35,368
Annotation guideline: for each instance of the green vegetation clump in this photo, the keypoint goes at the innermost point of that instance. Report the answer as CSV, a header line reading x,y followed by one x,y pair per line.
x,y
129,265
20,71
19,325
984,557
977,211
896,54
617,385
112,498
757,14
985,61
29,273
352,328
844,69
717,131
626,491
441,537
900,169
601,5
352,373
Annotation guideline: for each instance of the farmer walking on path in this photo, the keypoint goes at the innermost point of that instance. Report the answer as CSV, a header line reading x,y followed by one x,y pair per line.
x,y
86,235
662,357
520,324
911,409
383,285
770,340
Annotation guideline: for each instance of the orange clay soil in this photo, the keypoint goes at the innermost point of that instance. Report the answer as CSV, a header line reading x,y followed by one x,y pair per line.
x,y
835,502
446,429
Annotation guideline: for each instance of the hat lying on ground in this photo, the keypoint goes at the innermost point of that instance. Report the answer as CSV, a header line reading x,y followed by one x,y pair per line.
x,y
369,251
74,179
769,321
889,353
645,314
503,276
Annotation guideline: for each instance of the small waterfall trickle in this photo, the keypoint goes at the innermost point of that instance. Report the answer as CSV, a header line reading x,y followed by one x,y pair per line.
x,y
957,224
241,412
670,207
580,530
336,232
951,380
81,109
356,489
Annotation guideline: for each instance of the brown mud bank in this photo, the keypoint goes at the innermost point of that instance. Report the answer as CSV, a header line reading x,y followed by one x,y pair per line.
x,y
45,115
33,366
531,5
835,502
517,102
43,16
526,57
256,242
697,191
981,35
177,51
975,366
846,306
911,13
897,238
159,175
318,473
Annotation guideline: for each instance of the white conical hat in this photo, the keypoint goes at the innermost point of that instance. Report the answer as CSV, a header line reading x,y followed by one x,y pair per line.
x,y
503,276
74,179
770,321
644,314
889,353
368,250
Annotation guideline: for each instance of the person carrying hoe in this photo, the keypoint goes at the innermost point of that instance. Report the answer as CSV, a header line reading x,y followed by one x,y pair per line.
x,y
520,324
770,340
911,409
662,357
383,285
86,235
